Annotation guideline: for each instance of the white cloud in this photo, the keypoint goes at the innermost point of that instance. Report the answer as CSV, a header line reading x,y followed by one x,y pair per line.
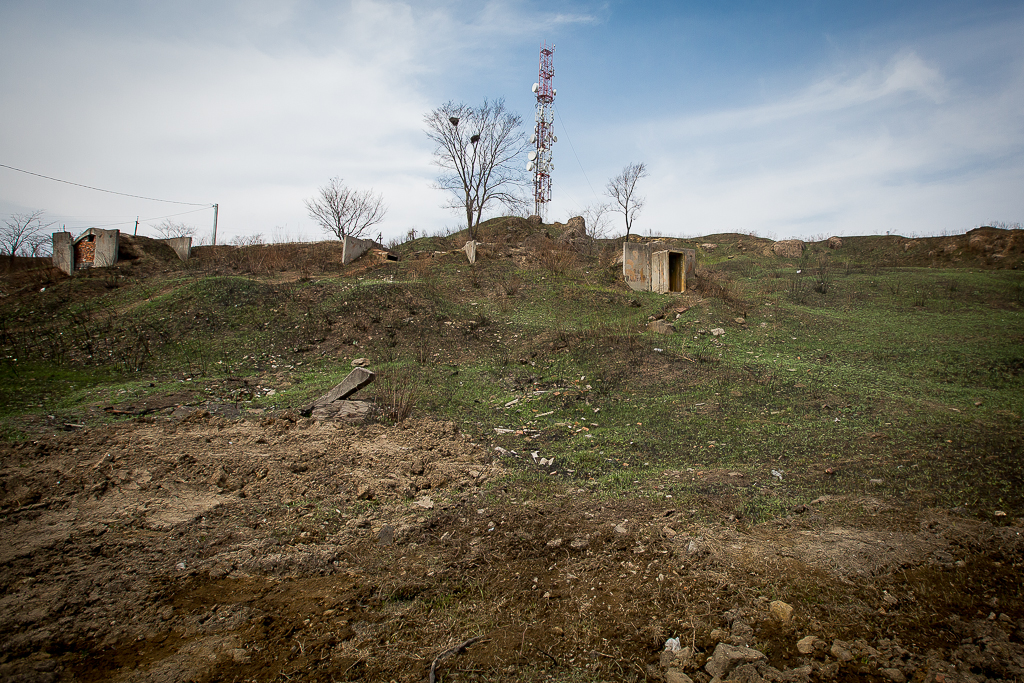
x,y
895,147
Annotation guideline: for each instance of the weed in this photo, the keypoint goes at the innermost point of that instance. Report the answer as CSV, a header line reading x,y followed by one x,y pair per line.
x,y
397,394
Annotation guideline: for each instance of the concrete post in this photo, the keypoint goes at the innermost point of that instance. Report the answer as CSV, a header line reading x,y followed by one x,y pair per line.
x,y
63,252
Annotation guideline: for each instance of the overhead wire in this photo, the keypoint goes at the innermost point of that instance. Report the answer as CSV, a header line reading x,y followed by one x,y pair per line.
x,y
144,220
569,140
100,189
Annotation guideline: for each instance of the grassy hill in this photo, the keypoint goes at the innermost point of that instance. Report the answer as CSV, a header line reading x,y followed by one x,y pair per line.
x,y
841,430
886,359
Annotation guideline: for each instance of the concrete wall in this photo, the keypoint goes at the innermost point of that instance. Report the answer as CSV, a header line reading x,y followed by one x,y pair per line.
x,y
107,242
63,252
636,265
647,270
352,248
470,250
182,246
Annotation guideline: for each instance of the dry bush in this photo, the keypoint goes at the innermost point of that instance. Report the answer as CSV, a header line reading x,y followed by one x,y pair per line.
x,y
715,284
509,283
556,257
396,394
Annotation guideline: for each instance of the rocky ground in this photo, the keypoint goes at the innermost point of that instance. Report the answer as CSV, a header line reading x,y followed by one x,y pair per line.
x,y
203,548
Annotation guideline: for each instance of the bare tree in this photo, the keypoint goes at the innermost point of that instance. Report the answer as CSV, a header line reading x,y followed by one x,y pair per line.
x,y
22,232
622,190
479,151
345,212
168,229
597,220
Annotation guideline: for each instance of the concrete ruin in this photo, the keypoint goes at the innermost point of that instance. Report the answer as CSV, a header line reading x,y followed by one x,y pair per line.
x,y
353,247
182,246
334,405
96,248
648,268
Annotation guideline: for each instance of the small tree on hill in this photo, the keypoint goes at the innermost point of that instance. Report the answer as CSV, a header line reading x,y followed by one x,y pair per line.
x,y
622,190
23,233
168,229
479,151
345,212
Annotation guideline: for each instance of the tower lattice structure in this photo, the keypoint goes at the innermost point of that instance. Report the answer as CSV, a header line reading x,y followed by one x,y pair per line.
x,y
543,133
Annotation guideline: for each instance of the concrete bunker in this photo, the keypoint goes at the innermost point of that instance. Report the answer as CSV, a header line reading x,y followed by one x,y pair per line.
x,y
647,268
96,248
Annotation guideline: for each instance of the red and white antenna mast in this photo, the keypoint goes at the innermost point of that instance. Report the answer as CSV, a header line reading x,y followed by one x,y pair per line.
x,y
543,134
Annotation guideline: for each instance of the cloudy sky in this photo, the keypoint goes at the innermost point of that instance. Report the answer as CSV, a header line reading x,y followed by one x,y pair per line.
x,y
787,119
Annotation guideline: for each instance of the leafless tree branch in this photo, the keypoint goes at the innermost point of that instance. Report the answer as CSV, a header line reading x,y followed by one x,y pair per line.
x,y
479,151
622,190
345,212
168,229
22,233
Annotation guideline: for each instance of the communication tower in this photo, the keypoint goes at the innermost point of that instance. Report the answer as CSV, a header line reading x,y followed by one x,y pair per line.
x,y
543,134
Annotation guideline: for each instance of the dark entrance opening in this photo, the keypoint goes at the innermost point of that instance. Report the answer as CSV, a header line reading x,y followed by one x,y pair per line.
x,y
676,271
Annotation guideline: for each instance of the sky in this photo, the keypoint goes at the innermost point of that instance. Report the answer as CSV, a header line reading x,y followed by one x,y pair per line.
x,y
798,119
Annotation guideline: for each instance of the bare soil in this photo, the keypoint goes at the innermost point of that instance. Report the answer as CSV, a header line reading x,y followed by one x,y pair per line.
x,y
204,549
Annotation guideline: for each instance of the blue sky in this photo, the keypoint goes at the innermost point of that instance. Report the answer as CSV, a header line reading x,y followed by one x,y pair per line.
x,y
788,119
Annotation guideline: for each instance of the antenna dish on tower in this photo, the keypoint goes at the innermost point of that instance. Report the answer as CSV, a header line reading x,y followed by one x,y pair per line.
x,y
536,87
531,156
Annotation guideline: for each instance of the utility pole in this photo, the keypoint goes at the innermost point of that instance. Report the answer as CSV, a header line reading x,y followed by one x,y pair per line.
x,y
215,208
136,226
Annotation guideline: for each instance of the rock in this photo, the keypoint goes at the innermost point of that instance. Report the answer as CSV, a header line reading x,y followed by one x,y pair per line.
x,y
575,229
708,246
801,674
746,673
741,629
354,412
717,331
894,675
364,492
782,611
676,676
741,321
841,651
620,529
788,248
661,327
425,502
386,535
360,362
834,242
805,645
728,657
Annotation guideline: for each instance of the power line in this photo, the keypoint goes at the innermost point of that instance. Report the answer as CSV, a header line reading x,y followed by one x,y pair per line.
x,y
99,189
144,220
566,131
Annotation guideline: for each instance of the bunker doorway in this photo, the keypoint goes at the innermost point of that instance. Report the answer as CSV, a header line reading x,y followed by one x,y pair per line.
x,y
676,270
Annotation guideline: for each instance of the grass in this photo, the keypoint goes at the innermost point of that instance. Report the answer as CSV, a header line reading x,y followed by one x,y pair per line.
x,y
845,372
